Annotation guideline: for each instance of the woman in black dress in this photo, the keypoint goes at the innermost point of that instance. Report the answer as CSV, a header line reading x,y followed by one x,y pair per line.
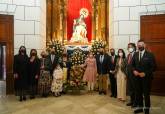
x,y
20,73
33,72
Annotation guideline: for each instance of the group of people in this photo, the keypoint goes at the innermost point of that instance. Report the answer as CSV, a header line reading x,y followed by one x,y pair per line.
x,y
34,75
130,74
133,72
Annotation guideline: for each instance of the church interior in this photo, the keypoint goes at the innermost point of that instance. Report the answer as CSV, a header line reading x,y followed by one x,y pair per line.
x,y
74,28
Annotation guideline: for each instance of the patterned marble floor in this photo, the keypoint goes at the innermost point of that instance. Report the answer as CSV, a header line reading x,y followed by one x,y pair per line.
x,y
90,103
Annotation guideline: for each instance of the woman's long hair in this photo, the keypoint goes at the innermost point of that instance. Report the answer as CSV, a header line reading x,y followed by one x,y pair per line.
x,y
21,48
34,51
122,52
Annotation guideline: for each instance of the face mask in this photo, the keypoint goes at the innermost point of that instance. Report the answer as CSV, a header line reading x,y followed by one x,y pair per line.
x,y
52,52
33,54
22,50
141,48
130,50
101,53
120,54
112,53
43,56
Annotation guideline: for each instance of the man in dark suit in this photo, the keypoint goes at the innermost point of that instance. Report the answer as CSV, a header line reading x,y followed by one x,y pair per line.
x,y
53,60
144,65
130,76
113,59
102,69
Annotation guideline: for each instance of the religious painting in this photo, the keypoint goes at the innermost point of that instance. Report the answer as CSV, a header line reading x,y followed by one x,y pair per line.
x,y
79,21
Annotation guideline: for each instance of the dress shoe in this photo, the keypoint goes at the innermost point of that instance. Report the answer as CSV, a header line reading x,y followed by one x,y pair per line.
x,y
111,96
20,99
146,111
63,92
134,106
105,93
138,111
115,96
32,97
44,95
129,104
24,98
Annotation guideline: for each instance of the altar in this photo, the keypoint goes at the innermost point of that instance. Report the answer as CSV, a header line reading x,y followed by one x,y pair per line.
x,y
73,46
79,32
76,53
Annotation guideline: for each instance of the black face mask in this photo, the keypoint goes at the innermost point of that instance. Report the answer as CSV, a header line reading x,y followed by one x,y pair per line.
x,y
101,53
22,51
141,48
52,52
33,54
43,56
112,53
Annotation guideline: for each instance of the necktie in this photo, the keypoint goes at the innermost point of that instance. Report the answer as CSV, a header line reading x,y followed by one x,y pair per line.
x,y
129,58
52,58
140,56
43,62
101,59
113,59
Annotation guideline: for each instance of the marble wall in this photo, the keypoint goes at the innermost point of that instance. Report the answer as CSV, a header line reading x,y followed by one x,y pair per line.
x,y
29,22
125,19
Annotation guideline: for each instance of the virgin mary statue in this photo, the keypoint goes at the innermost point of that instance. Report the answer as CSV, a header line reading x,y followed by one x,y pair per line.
x,y
80,28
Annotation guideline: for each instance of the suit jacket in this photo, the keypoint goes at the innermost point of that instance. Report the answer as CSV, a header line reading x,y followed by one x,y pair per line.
x,y
129,65
51,64
111,64
147,63
103,68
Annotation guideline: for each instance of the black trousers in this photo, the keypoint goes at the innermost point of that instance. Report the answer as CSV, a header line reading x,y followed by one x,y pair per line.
x,y
113,84
143,87
131,86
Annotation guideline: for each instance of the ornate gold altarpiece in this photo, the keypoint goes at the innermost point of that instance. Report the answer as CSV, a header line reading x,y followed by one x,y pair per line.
x,y
57,22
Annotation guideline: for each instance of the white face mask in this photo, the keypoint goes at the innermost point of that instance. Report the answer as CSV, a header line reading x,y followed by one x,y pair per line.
x,y
120,54
130,50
